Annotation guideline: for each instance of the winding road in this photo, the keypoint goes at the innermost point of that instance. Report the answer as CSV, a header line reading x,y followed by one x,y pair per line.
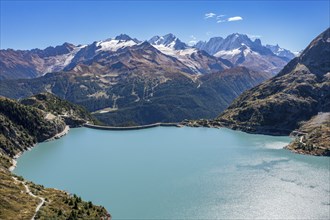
x,y
28,191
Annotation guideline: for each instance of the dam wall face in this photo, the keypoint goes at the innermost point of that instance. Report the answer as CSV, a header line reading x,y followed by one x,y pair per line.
x,y
131,127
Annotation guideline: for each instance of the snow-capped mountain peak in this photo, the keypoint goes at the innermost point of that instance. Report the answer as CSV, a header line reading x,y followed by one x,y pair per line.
x,y
121,41
212,46
277,50
241,50
231,42
168,40
125,37
234,41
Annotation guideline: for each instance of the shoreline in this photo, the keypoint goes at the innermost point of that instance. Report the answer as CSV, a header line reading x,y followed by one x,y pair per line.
x,y
56,136
60,134
294,135
14,159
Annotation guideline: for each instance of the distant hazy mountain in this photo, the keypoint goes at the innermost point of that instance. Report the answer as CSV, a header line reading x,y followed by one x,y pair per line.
x,y
281,52
242,51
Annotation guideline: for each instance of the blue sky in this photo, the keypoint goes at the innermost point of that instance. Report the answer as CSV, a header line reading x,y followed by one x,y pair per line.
x,y
38,24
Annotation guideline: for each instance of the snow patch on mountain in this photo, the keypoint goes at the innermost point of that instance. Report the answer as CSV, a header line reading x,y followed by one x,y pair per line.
x,y
114,45
227,53
183,56
57,63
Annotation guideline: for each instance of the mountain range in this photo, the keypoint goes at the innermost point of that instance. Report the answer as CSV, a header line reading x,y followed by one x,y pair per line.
x,y
124,81
205,57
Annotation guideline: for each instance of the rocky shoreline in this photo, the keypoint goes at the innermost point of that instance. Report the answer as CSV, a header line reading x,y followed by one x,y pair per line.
x,y
313,136
60,134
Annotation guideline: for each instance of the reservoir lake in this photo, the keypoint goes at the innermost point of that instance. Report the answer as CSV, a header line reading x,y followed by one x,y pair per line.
x,y
183,173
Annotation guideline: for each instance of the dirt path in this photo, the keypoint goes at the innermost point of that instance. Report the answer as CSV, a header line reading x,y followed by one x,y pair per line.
x,y
28,191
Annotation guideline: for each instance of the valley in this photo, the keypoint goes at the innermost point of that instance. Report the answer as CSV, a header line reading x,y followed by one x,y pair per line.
x,y
164,110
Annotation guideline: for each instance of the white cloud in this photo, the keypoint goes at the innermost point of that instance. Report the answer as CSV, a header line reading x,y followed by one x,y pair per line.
x,y
236,18
220,16
208,33
209,15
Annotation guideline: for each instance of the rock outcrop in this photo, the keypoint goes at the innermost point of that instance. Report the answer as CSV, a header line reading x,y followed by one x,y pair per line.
x,y
313,136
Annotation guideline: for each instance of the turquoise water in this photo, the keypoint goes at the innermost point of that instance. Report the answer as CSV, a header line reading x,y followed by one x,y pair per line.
x,y
176,173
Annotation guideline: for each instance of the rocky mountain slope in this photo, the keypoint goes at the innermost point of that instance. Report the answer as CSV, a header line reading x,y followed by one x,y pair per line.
x,y
211,46
183,98
16,64
142,95
73,115
21,126
313,136
36,119
278,106
240,50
